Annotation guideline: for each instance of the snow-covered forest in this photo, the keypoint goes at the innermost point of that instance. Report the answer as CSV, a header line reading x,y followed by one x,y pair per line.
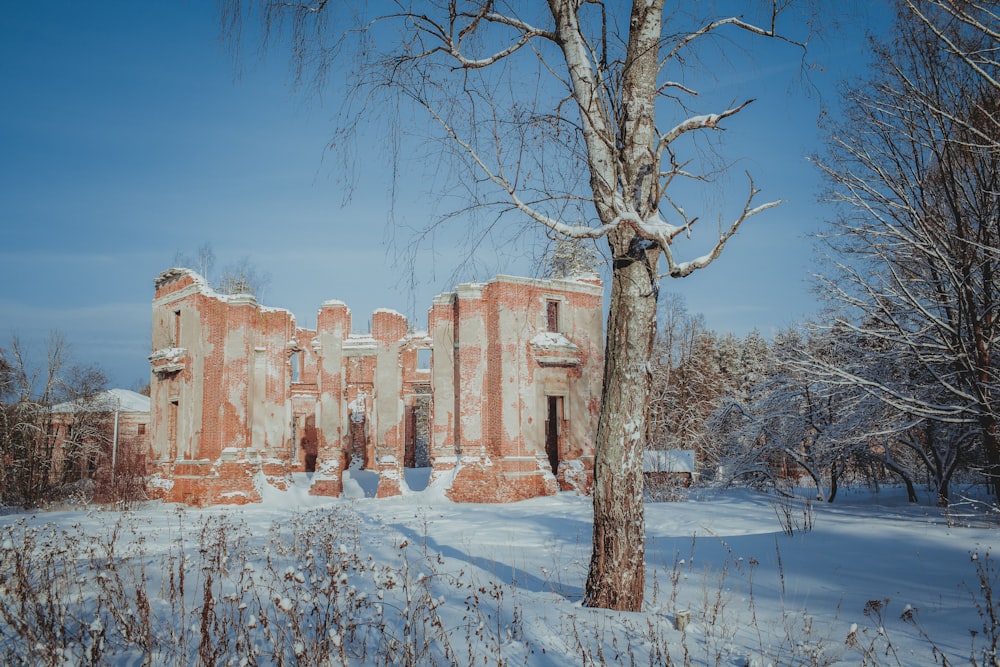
x,y
758,414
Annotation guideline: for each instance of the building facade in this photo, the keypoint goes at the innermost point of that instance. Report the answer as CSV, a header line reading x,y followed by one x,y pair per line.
x,y
499,396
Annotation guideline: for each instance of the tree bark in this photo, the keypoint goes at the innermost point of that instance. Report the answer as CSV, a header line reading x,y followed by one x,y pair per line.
x,y
617,567
943,492
911,491
991,446
617,576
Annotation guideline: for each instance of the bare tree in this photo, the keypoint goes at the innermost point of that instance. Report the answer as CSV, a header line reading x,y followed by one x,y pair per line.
x,y
87,423
239,277
203,262
687,379
963,28
573,115
122,481
243,277
787,425
915,166
741,366
6,376
28,432
695,373
799,418
566,258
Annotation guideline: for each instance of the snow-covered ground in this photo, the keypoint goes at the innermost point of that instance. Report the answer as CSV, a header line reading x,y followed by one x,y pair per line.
x,y
420,580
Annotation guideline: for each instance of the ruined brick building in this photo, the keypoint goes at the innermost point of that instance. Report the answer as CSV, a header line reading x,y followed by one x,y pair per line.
x,y
499,396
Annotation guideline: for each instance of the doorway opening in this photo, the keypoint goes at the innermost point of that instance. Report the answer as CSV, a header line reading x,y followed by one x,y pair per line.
x,y
553,426
417,439
310,444
417,451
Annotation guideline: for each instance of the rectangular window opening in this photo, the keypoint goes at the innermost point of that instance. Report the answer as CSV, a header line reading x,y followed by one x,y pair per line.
x,y
172,423
177,328
552,315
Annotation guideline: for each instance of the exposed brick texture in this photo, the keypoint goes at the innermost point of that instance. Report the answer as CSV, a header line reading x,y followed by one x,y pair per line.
x,y
241,396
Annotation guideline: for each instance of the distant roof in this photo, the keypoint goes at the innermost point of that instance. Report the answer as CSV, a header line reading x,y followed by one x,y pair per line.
x,y
668,460
123,400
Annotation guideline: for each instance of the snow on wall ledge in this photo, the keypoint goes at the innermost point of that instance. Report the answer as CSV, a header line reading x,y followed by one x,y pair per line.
x,y
505,409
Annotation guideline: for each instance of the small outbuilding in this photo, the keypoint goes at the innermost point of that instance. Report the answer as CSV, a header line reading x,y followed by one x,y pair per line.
x,y
666,469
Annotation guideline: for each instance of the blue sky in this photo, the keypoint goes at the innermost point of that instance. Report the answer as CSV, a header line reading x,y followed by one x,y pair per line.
x,y
127,136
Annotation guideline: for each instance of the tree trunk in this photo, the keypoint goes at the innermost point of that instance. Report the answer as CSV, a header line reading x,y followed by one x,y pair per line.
x,y
991,445
812,469
911,491
617,576
943,492
617,567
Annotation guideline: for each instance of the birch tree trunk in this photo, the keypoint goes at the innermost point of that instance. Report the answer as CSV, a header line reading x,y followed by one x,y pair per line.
x,y
616,579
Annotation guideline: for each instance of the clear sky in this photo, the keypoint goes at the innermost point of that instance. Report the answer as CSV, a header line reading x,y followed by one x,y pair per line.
x,y
127,136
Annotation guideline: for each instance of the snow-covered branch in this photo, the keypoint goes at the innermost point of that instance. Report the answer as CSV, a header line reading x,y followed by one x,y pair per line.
x,y
965,13
706,121
681,269
526,33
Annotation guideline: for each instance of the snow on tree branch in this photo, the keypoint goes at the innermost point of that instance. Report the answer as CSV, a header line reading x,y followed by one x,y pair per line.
x,y
966,13
681,269
707,121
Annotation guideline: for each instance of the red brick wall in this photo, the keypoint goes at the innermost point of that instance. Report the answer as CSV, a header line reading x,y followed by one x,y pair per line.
x,y
236,401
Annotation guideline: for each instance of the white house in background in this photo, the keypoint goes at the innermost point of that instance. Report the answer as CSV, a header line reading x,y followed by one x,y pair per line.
x,y
123,400
91,433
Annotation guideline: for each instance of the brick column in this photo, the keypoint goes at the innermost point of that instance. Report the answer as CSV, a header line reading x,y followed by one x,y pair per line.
x,y
444,428
477,477
333,325
389,330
